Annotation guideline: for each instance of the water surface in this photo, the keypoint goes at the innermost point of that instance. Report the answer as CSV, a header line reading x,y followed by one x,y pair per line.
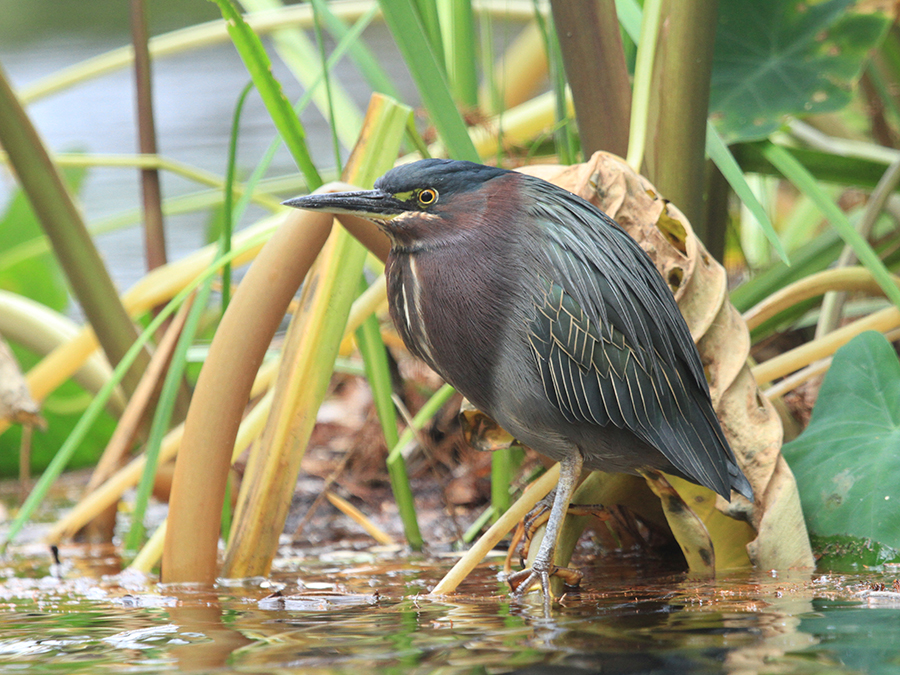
x,y
368,611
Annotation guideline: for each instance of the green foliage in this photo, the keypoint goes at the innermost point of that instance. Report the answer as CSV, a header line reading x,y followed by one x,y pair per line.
x,y
405,22
252,52
775,58
840,553
38,277
846,462
804,181
718,152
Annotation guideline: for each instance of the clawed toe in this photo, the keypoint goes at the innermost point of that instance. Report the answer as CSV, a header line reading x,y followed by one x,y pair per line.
x,y
522,581
542,567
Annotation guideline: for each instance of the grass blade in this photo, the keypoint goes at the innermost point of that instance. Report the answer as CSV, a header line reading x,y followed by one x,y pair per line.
x,y
375,362
720,154
358,52
397,466
804,181
403,20
458,29
257,62
643,81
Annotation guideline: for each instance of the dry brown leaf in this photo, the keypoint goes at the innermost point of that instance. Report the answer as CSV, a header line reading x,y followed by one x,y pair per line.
x,y
691,533
16,404
699,283
482,432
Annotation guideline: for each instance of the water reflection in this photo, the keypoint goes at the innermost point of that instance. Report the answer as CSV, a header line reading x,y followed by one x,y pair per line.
x,y
375,616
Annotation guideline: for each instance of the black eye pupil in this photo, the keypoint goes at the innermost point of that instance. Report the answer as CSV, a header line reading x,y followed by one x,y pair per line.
x,y
427,197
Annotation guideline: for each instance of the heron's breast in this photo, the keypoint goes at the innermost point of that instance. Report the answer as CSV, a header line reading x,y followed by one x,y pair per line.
x,y
405,302
453,314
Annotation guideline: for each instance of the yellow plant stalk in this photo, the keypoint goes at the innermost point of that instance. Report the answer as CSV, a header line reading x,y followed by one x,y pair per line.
x,y
41,330
137,406
518,125
359,518
156,288
127,477
150,554
813,370
111,490
840,279
302,380
129,423
505,523
518,71
251,428
883,321
222,391
307,362
372,300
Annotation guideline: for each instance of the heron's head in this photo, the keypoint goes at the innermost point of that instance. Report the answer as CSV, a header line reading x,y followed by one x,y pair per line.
x,y
422,203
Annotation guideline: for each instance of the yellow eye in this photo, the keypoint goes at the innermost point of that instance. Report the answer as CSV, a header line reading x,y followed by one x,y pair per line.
x,y
427,197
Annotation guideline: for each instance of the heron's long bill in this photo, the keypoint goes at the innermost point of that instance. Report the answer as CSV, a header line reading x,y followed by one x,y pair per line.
x,y
373,204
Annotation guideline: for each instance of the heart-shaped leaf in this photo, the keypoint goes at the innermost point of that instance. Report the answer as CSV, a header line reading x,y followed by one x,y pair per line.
x,y
847,462
775,58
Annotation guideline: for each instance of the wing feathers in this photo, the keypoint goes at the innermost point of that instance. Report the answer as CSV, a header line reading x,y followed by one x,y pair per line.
x,y
592,374
611,344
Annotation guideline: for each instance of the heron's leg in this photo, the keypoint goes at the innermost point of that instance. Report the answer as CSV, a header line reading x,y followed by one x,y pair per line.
x,y
524,532
543,567
539,515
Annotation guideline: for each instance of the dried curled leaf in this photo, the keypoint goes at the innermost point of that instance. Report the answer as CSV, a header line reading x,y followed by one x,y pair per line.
x,y
750,422
687,526
16,404
480,431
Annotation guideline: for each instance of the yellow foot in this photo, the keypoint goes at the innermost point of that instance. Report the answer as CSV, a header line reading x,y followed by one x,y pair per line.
x,y
521,582
537,517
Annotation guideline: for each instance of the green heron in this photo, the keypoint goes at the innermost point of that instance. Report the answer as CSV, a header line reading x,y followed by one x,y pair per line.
x,y
549,318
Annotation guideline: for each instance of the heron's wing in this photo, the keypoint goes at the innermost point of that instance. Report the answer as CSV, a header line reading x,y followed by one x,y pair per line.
x,y
595,376
612,347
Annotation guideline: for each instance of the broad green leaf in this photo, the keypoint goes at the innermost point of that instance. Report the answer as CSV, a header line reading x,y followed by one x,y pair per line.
x,y
840,553
38,277
847,461
776,58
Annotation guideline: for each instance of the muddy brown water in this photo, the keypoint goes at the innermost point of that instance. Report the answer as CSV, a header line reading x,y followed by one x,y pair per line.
x,y
369,612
